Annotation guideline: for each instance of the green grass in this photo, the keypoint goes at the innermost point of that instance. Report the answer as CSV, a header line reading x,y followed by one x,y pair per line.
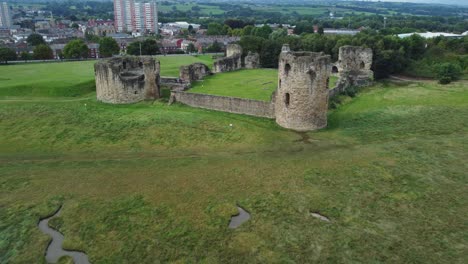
x,y
170,64
70,79
258,84
205,9
151,182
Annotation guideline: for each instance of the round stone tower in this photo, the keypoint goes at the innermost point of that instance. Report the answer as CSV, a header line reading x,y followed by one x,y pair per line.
x,y
302,97
125,80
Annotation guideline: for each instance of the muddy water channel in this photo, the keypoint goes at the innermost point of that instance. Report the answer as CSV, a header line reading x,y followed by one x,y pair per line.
x,y
54,250
240,218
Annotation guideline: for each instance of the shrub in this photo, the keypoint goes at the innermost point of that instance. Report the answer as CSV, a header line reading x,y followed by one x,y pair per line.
x,y
447,72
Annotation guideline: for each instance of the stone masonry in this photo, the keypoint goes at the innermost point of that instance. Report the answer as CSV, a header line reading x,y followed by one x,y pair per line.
x,y
354,65
302,96
126,80
252,60
232,61
193,72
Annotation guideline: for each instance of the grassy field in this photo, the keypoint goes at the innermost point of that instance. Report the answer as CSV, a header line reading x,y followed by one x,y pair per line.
x,y
170,64
258,84
204,9
148,181
70,79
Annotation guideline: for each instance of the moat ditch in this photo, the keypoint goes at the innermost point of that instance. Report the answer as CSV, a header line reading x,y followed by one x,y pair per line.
x,y
54,250
240,218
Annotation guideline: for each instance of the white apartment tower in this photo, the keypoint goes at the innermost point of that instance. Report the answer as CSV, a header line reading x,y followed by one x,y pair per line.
x,y
5,18
135,16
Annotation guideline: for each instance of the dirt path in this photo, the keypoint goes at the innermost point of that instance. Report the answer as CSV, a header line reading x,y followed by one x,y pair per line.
x,y
403,78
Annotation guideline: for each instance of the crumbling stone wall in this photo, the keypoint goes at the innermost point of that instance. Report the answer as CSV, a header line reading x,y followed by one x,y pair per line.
x,y
302,94
354,58
225,104
127,79
252,60
354,66
232,61
193,72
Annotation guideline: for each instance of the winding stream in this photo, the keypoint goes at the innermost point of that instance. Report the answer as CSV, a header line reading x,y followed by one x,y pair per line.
x,y
239,219
54,250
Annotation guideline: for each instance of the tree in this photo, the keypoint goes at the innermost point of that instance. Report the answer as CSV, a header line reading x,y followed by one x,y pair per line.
x,y
191,48
269,55
43,52
263,32
35,39
7,54
214,29
108,47
148,47
448,72
251,43
76,49
25,56
280,33
214,47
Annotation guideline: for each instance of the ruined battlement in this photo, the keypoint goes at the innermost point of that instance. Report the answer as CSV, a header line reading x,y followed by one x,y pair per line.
x,y
128,79
354,59
232,61
193,72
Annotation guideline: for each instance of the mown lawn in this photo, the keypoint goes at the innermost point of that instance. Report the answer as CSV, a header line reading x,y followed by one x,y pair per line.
x,y
256,84
170,64
70,79
151,182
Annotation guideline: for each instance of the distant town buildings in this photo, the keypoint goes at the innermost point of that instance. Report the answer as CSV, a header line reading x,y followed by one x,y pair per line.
x,y
432,35
136,16
5,17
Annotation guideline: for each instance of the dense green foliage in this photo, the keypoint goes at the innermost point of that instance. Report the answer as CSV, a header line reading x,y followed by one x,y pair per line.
x,y
43,52
76,49
145,47
7,54
35,39
448,72
108,47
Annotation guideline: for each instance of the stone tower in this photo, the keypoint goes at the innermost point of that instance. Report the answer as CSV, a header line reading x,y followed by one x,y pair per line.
x,y
354,65
302,97
126,80
232,61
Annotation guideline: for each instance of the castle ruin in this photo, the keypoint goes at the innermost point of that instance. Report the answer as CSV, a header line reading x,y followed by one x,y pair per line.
x,y
252,60
193,72
232,61
128,79
300,101
302,96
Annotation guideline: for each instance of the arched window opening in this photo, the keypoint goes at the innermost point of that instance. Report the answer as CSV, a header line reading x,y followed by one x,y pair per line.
x,y
140,64
279,84
362,65
287,99
125,65
334,69
287,68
